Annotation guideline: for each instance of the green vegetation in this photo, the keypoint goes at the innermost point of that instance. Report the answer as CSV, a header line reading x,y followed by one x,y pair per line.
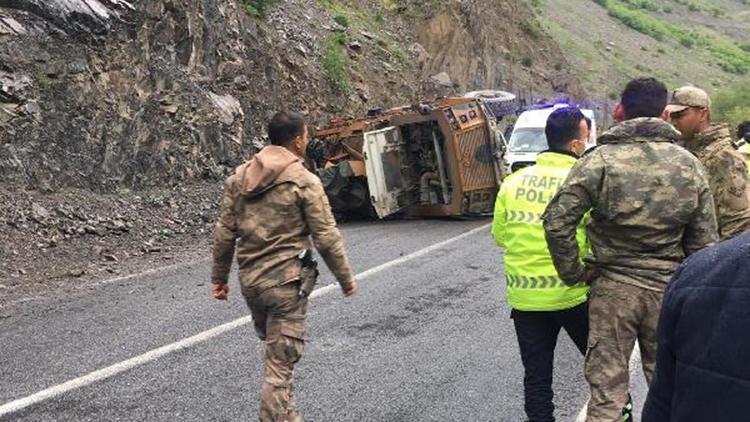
x,y
335,64
257,8
379,17
692,5
414,8
360,18
43,81
341,20
340,38
638,20
649,5
399,55
702,6
527,61
732,104
532,28
730,57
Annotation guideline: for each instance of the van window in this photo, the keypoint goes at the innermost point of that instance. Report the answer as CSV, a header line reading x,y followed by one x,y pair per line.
x,y
528,140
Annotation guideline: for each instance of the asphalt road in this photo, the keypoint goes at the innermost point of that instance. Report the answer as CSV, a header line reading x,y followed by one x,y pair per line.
x,y
426,339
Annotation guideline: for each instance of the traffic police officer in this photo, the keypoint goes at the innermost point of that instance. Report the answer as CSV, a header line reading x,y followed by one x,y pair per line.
x,y
541,303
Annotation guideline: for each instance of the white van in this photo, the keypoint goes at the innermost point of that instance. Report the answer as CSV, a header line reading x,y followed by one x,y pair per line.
x,y
528,139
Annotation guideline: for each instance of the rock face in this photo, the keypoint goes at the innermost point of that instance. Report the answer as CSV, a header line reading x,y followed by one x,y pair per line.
x,y
83,17
118,117
103,94
482,43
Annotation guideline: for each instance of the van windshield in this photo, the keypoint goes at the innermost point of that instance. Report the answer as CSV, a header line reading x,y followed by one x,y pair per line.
x,y
528,140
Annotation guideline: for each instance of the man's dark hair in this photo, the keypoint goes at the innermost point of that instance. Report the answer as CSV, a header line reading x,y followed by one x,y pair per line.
x,y
284,127
743,130
644,97
563,125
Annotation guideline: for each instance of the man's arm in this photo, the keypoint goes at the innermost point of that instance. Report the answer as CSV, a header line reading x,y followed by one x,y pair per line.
x,y
702,229
575,198
500,219
727,174
224,236
326,236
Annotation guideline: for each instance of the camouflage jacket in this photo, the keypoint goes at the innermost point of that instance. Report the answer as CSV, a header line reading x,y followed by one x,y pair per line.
x,y
727,176
650,205
273,204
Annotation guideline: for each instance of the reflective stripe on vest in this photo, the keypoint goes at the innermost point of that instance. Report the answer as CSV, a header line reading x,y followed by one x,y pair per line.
x,y
536,282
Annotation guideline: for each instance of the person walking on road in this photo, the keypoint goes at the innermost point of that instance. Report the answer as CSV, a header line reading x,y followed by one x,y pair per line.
x,y
273,205
690,111
650,206
541,303
701,365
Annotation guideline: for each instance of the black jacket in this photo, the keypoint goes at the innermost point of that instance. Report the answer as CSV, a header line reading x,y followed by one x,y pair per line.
x,y
703,360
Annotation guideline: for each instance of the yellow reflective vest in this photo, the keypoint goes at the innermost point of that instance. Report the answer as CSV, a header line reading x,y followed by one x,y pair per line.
x,y
532,282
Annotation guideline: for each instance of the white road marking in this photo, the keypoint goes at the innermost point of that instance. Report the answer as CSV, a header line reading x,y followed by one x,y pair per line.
x,y
151,271
95,283
92,284
635,365
110,371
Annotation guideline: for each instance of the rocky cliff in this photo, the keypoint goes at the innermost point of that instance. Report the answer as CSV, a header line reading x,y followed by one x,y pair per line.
x,y
101,94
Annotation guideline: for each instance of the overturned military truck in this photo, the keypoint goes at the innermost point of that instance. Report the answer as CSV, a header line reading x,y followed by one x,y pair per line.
x,y
440,159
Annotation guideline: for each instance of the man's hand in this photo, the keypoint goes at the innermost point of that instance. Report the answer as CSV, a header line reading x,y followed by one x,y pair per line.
x,y
350,289
590,274
220,291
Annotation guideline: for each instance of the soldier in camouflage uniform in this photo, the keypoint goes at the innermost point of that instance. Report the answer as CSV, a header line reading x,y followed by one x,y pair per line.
x,y
273,205
650,206
689,110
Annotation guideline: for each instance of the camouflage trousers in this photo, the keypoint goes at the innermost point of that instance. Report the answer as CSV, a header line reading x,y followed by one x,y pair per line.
x,y
619,314
279,318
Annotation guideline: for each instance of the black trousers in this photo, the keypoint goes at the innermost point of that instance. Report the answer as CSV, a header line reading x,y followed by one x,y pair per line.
x,y
537,337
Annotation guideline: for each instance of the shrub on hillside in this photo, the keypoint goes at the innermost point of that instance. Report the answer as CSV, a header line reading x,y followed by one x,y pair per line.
x,y
335,65
257,8
341,20
732,104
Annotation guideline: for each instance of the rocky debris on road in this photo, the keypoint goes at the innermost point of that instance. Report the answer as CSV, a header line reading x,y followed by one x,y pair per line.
x,y
81,235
